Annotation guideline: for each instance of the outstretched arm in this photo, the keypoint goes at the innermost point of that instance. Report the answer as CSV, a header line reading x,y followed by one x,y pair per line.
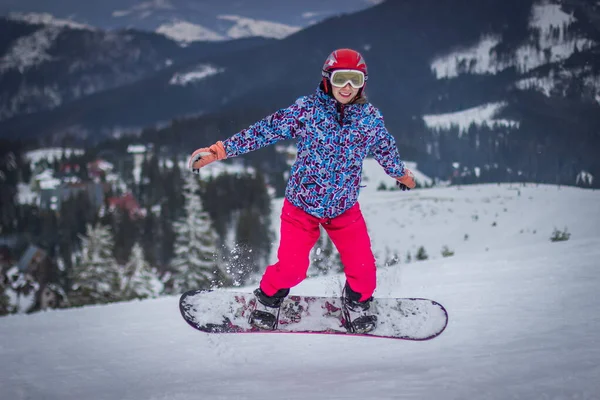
x,y
281,125
386,153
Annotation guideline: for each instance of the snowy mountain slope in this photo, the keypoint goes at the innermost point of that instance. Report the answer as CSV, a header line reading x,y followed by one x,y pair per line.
x,y
45,63
30,51
463,119
548,60
187,32
47,19
248,27
551,40
50,63
197,74
523,324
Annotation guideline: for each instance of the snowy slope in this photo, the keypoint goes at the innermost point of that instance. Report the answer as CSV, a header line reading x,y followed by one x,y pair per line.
x,y
187,32
523,319
248,27
240,27
197,74
30,51
544,46
47,19
484,114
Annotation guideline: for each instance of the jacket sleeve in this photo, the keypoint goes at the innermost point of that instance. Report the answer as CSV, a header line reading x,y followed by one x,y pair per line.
x,y
385,150
281,125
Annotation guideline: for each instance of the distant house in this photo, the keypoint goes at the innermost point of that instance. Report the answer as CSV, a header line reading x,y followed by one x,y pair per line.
x,y
99,168
69,168
46,180
126,202
138,151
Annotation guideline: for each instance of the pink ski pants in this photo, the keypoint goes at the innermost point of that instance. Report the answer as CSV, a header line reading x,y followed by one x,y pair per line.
x,y
299,233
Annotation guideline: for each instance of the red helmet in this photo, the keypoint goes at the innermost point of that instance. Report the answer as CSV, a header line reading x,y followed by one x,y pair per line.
x,y
343,59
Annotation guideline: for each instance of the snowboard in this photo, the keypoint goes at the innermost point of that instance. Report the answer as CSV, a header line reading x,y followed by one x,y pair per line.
x,y
221,311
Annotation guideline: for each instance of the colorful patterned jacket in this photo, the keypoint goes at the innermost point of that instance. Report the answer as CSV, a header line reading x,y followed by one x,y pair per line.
x,y
325,179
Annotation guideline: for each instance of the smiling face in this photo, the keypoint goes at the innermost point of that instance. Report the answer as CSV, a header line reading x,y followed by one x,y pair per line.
x,y
344,94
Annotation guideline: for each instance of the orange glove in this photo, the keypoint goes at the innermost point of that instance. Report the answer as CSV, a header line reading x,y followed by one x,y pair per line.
x,y
406,181
205,156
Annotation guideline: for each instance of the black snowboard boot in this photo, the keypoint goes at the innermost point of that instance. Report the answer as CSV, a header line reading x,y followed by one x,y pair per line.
x,y
266,309
360,315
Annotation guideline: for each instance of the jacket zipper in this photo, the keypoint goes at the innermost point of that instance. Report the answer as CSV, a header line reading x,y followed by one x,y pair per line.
x,y
342,108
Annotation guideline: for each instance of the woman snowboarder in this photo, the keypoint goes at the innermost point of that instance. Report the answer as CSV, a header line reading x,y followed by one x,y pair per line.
x,y
335,129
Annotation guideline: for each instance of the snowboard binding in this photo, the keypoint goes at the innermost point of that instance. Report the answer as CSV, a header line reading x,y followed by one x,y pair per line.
x,y
265,313
359,316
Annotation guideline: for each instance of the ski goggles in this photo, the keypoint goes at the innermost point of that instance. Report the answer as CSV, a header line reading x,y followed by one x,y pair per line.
x,y
341,77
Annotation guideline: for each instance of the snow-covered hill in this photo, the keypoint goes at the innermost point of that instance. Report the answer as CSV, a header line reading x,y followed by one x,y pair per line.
x,y
47,19
485,114
185,32
523,319
550,41
46,62
468,219
553,40
30,51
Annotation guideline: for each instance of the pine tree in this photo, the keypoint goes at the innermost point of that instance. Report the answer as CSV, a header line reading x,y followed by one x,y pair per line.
x,y
125,235
67,237
196,261
139,281
95,277
152,189
165,237
173,189
149,237
421,254
4,301
560,236
446,252
8,188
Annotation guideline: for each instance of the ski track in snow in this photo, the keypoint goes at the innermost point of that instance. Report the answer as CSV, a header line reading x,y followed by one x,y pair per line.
x,y
524,321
